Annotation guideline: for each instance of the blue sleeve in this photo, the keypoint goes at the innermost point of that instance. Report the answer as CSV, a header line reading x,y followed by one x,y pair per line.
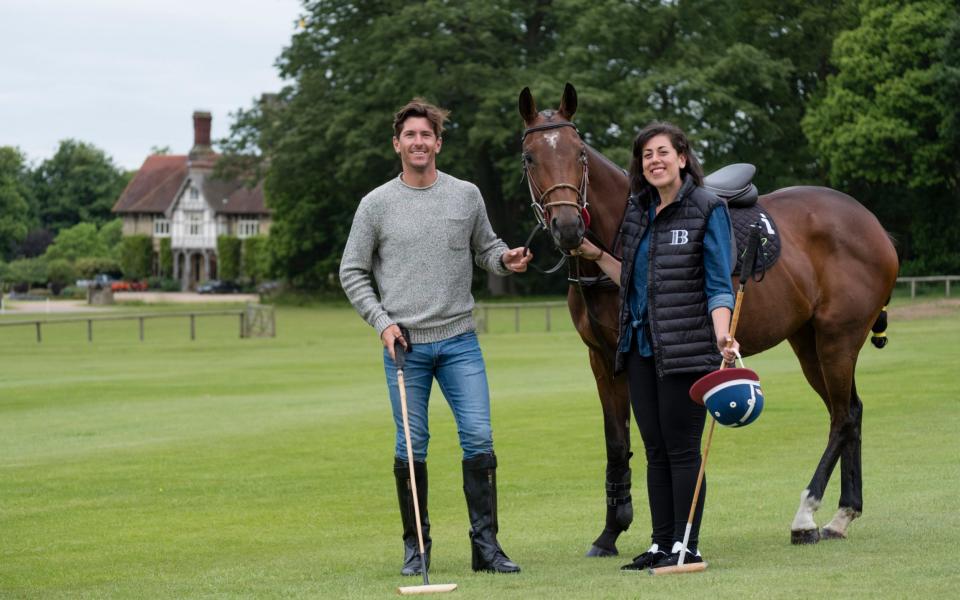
x,y
717,260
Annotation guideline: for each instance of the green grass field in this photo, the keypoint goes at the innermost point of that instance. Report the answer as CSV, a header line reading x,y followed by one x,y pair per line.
x,y
227,468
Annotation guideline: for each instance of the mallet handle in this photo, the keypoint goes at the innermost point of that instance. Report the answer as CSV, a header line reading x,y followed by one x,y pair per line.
x,y
745,272
413,477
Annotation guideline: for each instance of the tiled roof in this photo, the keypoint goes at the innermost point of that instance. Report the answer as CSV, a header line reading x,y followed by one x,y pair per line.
x,y
154,188
232,197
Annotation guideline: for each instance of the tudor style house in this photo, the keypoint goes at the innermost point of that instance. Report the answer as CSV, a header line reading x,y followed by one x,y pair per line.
x,y
177,197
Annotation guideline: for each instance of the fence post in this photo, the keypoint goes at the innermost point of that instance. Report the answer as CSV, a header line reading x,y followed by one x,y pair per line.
x,y
516,319
39,337
548,318
242,313
89,330
913,288
141,329
193,328
947,285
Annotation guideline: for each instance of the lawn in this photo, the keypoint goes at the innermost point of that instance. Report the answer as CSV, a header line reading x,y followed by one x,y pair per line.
x,y
225,468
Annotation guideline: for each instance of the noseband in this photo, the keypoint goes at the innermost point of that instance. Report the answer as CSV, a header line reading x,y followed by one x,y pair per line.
x,y
538,199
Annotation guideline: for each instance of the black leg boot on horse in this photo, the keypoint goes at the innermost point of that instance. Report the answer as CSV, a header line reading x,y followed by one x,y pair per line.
x,y
480,489
411,552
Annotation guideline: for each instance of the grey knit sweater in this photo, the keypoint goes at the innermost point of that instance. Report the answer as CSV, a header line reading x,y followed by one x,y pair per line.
x,y
417,242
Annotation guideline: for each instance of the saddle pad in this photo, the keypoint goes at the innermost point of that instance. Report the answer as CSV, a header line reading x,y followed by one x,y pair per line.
x,y
769,249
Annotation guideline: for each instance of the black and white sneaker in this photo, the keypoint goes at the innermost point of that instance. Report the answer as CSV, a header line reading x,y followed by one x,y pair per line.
x,y
673,559
646,560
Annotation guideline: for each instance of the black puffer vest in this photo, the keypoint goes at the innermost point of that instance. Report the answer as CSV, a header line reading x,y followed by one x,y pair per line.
x,y
680,328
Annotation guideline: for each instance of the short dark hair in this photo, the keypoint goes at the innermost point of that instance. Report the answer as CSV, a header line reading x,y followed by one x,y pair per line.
x,y
639,186
418,107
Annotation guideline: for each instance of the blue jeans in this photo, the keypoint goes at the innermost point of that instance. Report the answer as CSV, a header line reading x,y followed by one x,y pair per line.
x,y
458,367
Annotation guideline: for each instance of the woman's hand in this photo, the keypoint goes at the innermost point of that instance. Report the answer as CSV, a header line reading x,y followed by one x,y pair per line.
x,y
729,348
588,251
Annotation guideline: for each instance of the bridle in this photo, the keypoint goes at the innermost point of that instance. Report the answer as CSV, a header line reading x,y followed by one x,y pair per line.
x,y
540,210
538,199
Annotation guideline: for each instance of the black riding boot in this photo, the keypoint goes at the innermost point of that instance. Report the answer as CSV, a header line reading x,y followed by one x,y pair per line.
x,y
480,488
411,546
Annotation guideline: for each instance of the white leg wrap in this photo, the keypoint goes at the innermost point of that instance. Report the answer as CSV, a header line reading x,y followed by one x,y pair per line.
x,y
804,519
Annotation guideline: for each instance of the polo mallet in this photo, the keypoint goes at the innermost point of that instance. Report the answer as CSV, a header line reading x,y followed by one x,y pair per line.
x,y
427,587
745,272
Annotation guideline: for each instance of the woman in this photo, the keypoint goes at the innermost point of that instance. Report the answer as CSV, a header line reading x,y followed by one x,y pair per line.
x,y
676,299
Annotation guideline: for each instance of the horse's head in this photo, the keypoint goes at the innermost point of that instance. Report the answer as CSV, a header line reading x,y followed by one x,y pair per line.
x,y
555,164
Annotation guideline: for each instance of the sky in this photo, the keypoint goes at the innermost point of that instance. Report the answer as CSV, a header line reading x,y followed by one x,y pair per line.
x,y
126,75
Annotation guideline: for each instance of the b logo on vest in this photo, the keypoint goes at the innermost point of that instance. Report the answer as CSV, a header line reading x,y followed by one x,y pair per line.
x,y
679,237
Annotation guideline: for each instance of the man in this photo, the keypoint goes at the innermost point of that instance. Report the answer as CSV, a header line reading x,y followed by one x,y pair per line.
x,y
415,235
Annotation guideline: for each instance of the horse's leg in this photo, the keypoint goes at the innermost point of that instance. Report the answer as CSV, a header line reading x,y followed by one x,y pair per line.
x,y
827,362
804,529
851,481
616,429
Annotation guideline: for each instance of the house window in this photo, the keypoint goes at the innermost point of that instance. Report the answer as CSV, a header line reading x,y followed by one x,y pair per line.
x,y
248,228
194,223
194,193
161,227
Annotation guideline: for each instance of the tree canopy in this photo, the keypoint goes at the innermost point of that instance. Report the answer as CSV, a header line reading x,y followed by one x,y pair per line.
x,y
740,76
885,130
78,184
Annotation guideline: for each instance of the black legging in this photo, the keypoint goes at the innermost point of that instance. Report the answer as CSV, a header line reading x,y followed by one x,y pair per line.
x,y
671,426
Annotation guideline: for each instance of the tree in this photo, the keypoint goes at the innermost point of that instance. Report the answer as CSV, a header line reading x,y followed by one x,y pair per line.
x,y
79,184
878,127
60,274
15,199
75,242
255,258
110,236
735,76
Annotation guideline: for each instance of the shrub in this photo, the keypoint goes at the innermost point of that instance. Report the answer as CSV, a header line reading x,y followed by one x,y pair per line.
x,y
255,258
166,258
228,257
136,256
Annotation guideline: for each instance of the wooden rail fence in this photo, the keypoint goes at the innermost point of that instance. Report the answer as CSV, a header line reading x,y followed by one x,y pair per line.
x,y
255,320
913,281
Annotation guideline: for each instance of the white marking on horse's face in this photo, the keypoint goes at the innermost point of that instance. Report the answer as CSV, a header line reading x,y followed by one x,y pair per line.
x,y
804,519
552,139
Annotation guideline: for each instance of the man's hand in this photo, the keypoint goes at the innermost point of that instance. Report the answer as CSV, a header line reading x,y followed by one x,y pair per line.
x,y
515,260
389,337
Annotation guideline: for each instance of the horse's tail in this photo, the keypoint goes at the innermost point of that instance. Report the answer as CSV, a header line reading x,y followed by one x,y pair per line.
x,y
879,329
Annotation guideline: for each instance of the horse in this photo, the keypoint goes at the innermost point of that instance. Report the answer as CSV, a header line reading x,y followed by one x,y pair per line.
x,y
828,289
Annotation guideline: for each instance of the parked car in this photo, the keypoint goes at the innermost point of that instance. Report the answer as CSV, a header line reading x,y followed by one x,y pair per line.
x,y
129,286
215,286
100,281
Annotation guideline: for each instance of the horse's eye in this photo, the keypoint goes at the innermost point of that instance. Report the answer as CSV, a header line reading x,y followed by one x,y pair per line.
x,y
527,158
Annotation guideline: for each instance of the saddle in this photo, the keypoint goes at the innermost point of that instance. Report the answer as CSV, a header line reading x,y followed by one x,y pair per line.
x,y
733,183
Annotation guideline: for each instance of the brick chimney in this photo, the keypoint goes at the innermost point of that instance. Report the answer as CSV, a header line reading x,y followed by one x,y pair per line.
x,y
201,135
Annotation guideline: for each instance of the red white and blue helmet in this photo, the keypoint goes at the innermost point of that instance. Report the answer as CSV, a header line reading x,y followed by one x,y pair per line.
x,y
732,396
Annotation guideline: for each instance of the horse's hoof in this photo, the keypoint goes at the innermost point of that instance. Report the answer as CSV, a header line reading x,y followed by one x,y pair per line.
x,y
598,552
829,534
804,536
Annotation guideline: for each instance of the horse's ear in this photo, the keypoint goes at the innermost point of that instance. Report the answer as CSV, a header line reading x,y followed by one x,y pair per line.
x,y
568,104
528,108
